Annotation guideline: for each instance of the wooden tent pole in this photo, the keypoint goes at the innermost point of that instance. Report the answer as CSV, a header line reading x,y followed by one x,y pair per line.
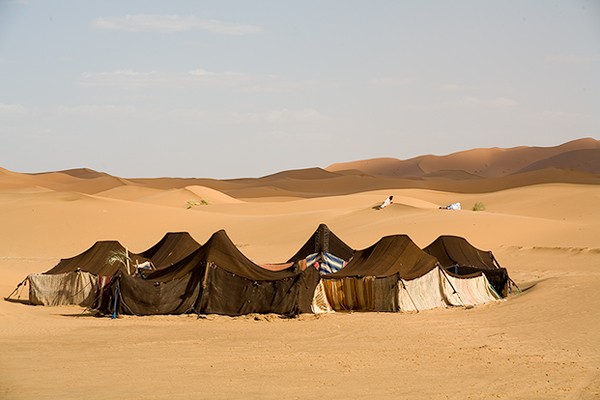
x,y
408,293
452,286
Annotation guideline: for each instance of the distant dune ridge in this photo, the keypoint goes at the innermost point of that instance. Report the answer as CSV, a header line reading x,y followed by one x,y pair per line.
x,y
470,171
581,155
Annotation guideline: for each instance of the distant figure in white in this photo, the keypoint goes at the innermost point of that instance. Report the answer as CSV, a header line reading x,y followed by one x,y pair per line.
x,y
386,203
453,206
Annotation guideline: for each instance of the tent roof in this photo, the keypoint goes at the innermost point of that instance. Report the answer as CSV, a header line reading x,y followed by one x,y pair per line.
x,y
222,252
173,247
451,250
93,260
324,241
389,256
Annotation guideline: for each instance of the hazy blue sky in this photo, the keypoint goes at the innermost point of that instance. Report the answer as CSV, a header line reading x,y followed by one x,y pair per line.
x,y
246,88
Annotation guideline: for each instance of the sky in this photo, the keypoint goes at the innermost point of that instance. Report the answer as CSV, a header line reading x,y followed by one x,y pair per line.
x,y
228,89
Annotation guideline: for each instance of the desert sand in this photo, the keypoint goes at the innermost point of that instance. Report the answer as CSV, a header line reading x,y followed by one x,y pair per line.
x,y
540,344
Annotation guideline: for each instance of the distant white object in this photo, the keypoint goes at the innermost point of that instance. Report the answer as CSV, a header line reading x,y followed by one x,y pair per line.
x,y
386,203
453,206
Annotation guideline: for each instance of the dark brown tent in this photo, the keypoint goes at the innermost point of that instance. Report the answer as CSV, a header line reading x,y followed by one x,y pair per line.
x,y
215,279
459,257
76,280
173,247
324,241
391,255
94,260
370,280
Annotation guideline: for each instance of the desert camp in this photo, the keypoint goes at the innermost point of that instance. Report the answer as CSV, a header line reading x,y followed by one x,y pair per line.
x,y
392,275
299,200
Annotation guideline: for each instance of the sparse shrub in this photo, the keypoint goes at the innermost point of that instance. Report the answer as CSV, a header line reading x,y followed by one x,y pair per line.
x,y
478,206
193,203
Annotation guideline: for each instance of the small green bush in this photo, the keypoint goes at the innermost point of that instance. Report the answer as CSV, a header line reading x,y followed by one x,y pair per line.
x,y
478,206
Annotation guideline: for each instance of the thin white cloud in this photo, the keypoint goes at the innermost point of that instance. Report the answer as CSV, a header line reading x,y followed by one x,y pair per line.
x,y
94,109
452,87
126,79
386,81
131,80
12,109
559,114
279,117
502,102
283,116
573,59
472,102
187,113
228,78
171,24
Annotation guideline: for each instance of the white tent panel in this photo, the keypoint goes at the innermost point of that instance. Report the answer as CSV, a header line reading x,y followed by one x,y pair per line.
x,y
422,293
467,291
63,289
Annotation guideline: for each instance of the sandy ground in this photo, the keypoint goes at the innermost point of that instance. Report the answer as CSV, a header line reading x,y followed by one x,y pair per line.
x,y
538,345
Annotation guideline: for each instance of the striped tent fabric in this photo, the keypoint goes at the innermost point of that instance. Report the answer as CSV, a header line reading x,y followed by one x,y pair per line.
x,y
331,264
327,263
312,259
320,304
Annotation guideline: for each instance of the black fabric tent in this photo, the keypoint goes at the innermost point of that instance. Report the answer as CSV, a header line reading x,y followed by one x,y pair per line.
x,y
94,260
369,281
391,255
215,279
324,241
173,247
460,258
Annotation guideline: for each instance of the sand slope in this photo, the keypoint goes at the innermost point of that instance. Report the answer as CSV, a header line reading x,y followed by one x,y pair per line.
x,y
540,344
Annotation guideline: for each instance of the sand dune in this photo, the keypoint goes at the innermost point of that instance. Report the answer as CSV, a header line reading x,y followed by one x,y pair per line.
x,y
586,160
188,197
129,192
487,163
212,196
59,181
540,344
83,173
479,170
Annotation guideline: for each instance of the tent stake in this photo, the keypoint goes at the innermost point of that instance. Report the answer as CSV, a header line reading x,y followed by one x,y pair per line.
x,y
23,282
